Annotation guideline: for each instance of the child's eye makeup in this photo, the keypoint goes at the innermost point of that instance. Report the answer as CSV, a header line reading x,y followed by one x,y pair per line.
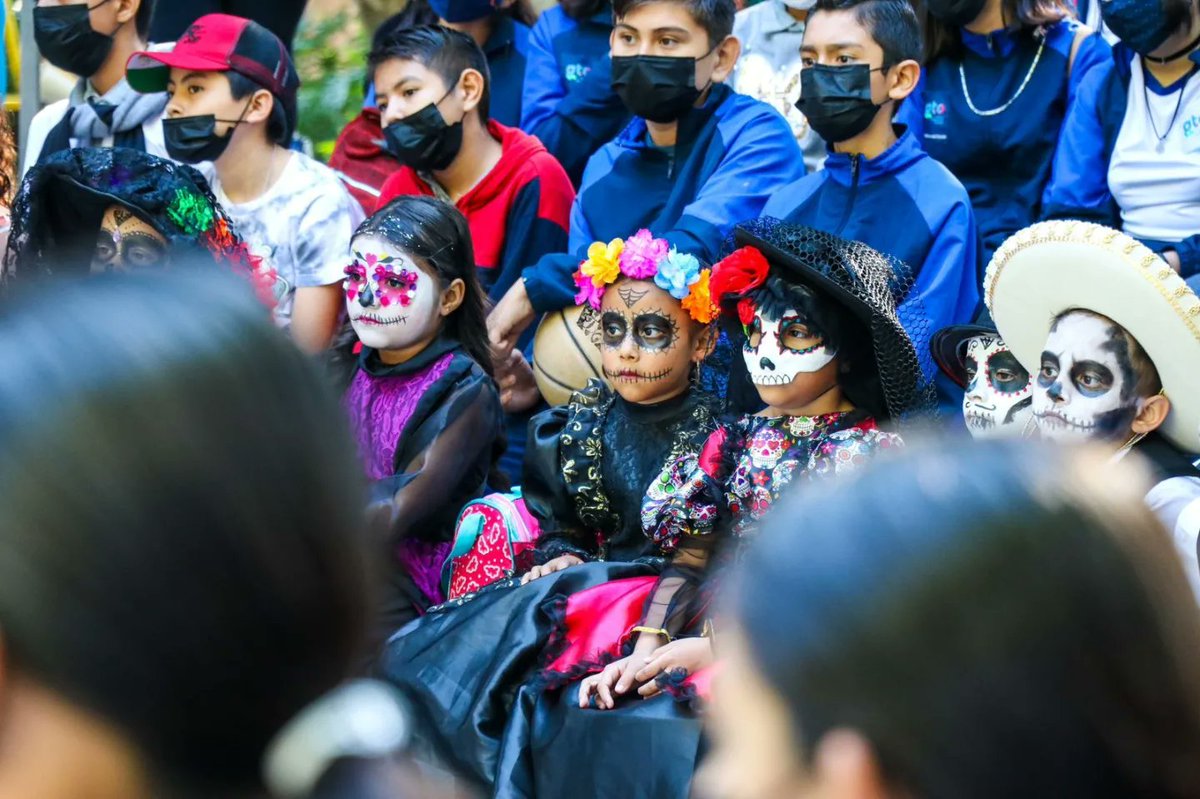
x,y
396,287
356,278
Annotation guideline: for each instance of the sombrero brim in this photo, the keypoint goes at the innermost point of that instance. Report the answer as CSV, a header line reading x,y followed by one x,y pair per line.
x,y
1052,267
946,349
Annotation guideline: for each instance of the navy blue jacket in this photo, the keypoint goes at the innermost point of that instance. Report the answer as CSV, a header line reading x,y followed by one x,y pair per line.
x,y
506,49
1079,186
905,204
1003,160
569,103
731,154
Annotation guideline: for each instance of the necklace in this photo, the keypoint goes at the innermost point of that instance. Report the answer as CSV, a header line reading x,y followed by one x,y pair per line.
x,y
991,112
1161,146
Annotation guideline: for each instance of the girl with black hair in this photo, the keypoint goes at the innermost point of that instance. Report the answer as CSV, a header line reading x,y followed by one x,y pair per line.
x,y
988,622
999,78
423,404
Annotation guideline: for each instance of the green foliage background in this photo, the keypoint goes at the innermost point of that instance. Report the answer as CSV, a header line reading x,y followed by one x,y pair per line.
x,y
331,57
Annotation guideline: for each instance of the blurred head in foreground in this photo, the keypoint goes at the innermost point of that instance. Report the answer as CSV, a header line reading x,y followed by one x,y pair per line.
x,y
180,566
998,621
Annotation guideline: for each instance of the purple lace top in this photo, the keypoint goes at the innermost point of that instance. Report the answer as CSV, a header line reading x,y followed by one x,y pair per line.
x,y
380,409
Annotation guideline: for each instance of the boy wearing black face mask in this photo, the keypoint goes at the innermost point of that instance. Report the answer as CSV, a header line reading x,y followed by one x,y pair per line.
x,y
696,159
432,87
93,39
860,59
232,92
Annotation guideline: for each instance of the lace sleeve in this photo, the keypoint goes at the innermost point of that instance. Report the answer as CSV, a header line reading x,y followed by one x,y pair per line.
x,y
447,463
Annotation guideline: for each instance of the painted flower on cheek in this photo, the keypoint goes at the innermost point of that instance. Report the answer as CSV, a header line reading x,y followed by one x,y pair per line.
x,y
698,303
676,273
588,292
603,262
642,254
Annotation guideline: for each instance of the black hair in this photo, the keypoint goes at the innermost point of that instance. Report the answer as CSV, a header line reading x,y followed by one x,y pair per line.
x,y
1027,16
145,13
715,16
435,233
841,331
444,51
180,550
999,620
417,13
893,24
583,9
279,130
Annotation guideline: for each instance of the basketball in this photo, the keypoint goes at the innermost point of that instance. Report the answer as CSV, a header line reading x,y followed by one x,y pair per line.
x,y
564,357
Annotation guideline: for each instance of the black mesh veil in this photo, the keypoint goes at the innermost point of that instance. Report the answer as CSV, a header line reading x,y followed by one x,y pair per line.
x,y
875,288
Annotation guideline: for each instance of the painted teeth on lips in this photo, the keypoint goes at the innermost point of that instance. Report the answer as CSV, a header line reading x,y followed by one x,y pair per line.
x,y
1056,421
772,380
376,320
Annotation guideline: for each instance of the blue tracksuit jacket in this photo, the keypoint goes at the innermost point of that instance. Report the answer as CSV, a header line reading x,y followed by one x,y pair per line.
x,y
732,154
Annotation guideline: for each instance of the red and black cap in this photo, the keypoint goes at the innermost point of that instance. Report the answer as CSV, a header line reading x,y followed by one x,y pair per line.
x,y
222,43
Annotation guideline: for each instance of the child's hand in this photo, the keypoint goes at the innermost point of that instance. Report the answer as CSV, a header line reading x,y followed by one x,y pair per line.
x,y
689,654
508,320
550,566
617,678
518,389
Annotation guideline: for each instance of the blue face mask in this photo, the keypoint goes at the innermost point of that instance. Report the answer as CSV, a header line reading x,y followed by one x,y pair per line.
x,y
1142,24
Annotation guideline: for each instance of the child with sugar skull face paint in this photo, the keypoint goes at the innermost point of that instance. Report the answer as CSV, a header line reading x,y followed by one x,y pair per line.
x,y
588,466
997,389
1111,334
422,403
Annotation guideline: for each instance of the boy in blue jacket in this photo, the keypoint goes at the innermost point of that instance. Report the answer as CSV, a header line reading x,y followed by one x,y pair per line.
x,y
878,186
568,99
696,159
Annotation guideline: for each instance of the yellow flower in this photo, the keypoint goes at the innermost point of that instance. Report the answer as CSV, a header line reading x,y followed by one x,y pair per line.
x,y
602,264
698,303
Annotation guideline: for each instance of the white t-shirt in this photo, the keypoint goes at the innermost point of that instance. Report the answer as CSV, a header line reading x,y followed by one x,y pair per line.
x,y
301,227
44,121
1176,503
1157,184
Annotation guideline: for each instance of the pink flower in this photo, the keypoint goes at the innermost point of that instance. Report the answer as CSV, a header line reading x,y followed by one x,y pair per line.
x,y
589,292
642,254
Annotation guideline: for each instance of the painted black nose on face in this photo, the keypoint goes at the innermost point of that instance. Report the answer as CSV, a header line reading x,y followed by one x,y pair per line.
x,y
366,298
766,363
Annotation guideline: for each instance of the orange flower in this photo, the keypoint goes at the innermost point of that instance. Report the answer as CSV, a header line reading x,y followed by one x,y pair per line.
x,y
698,303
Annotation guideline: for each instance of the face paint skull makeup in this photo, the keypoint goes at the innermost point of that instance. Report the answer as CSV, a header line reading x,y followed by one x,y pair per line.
x,y
999,395
1087,384
778,349
646,342
392,303
126,242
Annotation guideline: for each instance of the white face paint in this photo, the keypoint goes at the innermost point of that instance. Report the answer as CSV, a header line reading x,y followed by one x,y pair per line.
x,y
777,350
999,395
1085,388
392,303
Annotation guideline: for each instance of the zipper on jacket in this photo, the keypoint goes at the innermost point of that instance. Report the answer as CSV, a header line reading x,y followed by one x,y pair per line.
x,y
854,162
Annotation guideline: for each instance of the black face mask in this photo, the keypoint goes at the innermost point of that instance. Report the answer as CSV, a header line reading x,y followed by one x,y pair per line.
x,y
193,140
65,37
955,13
423,140
655,87
836,100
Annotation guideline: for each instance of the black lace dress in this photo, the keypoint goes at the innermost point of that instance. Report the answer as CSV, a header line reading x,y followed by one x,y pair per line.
x,y
468,666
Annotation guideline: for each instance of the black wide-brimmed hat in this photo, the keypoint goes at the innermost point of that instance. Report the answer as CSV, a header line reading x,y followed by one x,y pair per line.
x,y
874,288
949,345
61,204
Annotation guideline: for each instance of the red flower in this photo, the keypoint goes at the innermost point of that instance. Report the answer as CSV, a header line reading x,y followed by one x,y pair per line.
x,y
745,311
743,270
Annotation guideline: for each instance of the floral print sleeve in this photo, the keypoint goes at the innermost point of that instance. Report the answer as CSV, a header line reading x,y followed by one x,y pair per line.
x,y
684,499
849,449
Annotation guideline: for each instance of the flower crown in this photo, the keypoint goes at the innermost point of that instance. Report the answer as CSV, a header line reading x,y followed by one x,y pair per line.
x,y
643,257
736,275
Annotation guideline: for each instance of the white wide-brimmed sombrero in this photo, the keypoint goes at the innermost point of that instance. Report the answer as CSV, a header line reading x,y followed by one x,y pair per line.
x,y
1052,267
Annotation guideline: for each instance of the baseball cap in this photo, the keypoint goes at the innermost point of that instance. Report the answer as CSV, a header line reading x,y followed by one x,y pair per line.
x,y
222,43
